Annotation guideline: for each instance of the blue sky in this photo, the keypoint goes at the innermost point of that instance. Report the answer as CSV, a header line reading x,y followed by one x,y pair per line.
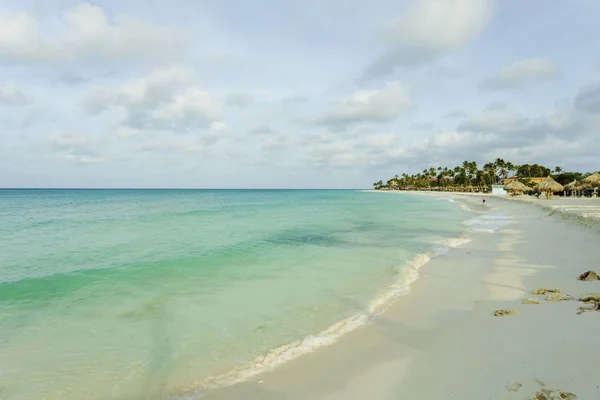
x,y
266,93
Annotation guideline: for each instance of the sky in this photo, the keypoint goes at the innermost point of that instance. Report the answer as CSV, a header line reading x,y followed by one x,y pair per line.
x,y
291,94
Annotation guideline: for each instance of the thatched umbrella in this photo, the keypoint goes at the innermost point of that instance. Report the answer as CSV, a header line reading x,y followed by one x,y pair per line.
x,y
515,187
549,186
571,186
591,182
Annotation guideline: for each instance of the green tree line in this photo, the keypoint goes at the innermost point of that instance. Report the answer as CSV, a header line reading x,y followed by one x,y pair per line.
x,y
469,175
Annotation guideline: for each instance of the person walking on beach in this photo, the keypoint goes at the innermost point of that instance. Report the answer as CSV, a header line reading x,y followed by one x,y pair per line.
x,y
483,201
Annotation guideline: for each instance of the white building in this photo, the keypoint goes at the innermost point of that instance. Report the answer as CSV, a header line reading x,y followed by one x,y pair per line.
x,y
498,189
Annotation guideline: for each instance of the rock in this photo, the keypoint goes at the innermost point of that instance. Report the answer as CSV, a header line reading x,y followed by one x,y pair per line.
x,y
513,387
581,310
557,297
531,301
589,276
500,313
544,291
595,297
562,396
546,394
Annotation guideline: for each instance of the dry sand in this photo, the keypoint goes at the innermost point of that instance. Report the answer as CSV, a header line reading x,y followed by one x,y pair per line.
x,y
442,341
583,209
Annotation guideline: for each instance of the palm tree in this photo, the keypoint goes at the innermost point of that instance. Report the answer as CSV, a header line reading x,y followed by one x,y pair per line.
x,y
512,168
490,171
467,174
501,167
471,170
432,173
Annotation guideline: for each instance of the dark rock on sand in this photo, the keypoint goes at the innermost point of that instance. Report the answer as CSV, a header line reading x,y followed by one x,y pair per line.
x,y
589,276
558,297
513,387
548,394
501,313
544,291
595,307
595,297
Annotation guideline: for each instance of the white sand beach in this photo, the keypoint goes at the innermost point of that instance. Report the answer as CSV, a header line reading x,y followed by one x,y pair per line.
x,y
585,207
442,340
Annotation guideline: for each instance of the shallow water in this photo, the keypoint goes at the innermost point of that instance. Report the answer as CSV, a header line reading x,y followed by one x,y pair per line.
x,y
123,294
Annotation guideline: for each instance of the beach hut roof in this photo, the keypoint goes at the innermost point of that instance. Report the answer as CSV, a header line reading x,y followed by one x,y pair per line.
x,y
516,185
549,185
591,181
572,185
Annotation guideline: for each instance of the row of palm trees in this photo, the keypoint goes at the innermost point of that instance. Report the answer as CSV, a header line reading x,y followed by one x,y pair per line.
x,y
467,176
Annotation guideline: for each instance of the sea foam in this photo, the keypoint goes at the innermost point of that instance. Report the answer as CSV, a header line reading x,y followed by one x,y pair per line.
x,y
488,223
407,275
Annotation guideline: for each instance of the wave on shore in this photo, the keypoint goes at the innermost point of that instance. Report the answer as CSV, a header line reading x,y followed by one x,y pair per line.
x,y
407,275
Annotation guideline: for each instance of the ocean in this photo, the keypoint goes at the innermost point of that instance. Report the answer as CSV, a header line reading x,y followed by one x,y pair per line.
x,y
153,294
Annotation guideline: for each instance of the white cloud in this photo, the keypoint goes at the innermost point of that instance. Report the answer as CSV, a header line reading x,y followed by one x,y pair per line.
x,y
355,149
12,95
429,29
422,126
560,135
276,142
456,139
375,142
382,105
455,114
521,73
263,129
76,147
167,99
216,132
20,39
193,107
125,132
87,34
82,158
496,120
150,90
241,100
68,141
172,144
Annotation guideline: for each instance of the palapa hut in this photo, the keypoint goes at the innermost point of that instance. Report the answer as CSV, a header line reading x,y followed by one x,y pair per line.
x,y
549,186
571,187
515,188
591,182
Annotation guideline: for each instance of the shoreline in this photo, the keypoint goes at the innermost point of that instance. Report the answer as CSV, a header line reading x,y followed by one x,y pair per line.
x,y
417,334
289,352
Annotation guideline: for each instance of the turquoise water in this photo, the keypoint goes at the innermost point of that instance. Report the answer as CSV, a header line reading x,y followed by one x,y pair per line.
x,y
143,294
